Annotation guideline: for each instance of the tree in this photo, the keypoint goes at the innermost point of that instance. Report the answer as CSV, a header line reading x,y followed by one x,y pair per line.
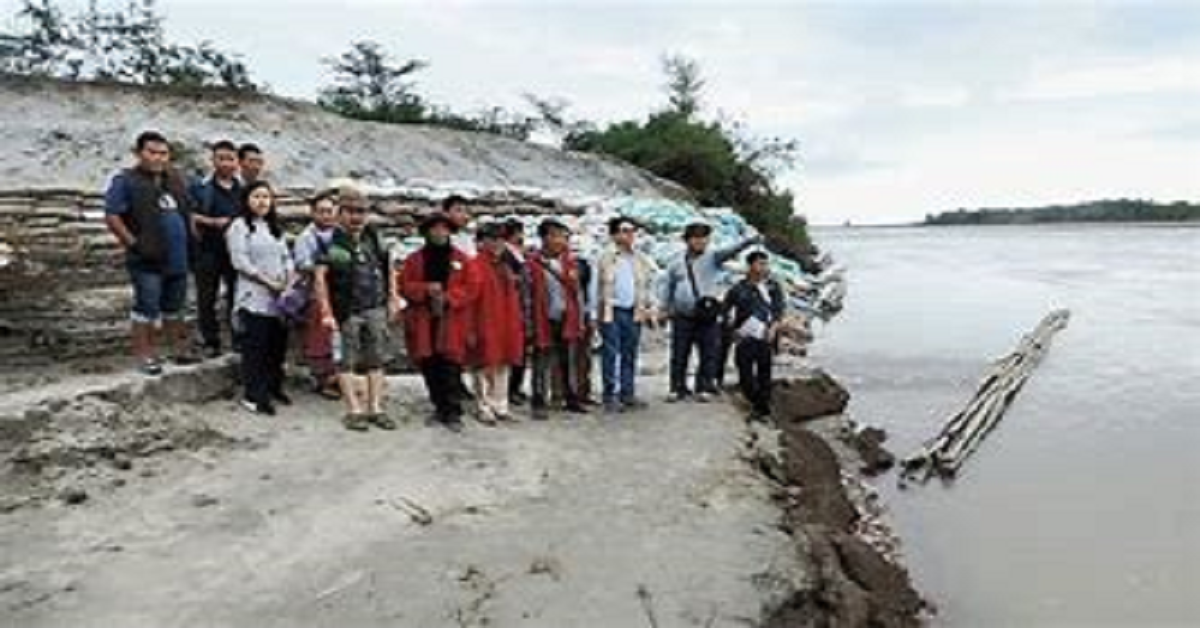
x,y
369,85
684,84
720,162
125,45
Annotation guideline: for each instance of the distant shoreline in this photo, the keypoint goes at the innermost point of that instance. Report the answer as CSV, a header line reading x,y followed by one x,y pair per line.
x,y
1105,211
1036,225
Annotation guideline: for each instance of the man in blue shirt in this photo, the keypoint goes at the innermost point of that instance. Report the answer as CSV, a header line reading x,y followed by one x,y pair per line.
x,y
145,210
622,299
215,201
691,297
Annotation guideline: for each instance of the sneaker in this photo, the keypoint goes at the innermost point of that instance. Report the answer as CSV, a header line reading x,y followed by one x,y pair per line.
x,y
486,418
504,417
150,368
381,421
356,422
703,397
678,396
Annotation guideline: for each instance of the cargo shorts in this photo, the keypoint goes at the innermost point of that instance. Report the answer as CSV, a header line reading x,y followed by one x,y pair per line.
x,y
364,337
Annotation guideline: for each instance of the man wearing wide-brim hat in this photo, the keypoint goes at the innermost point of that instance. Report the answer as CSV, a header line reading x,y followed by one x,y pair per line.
x,y
439,284
691,296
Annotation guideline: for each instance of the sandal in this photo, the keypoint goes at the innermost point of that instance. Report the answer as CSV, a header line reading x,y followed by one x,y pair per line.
x,y
381,421
356,422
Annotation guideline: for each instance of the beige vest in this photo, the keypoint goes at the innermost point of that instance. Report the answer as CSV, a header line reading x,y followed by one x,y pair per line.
x,y
644,271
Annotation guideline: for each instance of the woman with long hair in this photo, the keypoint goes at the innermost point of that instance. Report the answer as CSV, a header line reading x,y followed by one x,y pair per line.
x,y
264,270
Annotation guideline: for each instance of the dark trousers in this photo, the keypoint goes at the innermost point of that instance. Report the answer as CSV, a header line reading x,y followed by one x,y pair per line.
x,y
264,347
688,332
727,342
619,355
516,380
555,368
443,381
583,362
210,274
753,359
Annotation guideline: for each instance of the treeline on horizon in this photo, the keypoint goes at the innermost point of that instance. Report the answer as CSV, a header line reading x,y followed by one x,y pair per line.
x,y
718,160
1116,210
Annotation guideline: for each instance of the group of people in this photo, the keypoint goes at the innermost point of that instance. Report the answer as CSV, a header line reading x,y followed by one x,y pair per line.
x,y
482,314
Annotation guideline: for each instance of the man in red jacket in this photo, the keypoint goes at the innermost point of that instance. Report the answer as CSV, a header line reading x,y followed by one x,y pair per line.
x,y
499,324
556,304
440,285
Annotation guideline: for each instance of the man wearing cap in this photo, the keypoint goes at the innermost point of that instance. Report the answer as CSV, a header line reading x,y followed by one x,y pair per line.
x,y
350,281
691,297
556,312
622,300
439,283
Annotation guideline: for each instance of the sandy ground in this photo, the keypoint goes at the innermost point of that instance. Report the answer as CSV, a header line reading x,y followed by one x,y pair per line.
x,y
646,519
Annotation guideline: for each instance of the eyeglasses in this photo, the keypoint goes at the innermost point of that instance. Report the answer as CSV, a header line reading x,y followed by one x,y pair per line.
x,y
627,230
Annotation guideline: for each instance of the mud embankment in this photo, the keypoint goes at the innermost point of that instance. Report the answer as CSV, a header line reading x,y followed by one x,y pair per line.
x,y
76,437
855,575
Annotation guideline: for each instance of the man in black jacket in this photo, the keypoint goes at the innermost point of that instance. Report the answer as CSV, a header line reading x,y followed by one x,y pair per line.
x,y
756,306
215,202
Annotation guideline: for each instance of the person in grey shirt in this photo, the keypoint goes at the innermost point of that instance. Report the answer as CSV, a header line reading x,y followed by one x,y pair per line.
x,y
259,254
691,297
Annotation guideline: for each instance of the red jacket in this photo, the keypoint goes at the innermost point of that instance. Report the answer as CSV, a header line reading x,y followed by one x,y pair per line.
x,y
540,301
458,321
499,321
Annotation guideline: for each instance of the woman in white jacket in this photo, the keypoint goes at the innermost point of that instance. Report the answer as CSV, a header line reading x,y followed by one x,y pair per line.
x,y
264,270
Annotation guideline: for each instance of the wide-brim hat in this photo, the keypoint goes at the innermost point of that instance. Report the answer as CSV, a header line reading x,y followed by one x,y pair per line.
x,y
434,219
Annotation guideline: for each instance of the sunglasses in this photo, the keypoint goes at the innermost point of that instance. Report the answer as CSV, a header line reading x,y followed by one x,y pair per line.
x,y
355,210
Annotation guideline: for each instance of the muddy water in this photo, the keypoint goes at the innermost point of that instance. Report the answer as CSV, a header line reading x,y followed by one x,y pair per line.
x,y
1083,508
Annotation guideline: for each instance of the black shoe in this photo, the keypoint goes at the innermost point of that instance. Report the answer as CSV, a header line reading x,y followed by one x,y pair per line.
x,y
454,425
540,412
633,403
518,399
282,399
576,408
259,407
211,352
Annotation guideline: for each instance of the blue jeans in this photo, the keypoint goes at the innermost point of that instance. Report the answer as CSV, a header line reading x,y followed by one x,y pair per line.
x,y
619,355
157,296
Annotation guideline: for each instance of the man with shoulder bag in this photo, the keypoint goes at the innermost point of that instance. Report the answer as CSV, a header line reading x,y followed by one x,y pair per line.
x,y
690,295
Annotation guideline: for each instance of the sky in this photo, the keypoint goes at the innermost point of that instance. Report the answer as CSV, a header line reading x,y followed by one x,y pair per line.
x,y
901,108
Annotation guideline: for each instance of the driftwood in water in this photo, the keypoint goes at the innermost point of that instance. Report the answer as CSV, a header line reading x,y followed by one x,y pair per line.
x,y
944,454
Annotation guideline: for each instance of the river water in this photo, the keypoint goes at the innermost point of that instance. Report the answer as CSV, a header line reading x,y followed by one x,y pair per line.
x,y
1083,507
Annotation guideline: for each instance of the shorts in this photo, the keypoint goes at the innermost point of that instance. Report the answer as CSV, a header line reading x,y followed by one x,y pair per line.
x,y
157,296
364,337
